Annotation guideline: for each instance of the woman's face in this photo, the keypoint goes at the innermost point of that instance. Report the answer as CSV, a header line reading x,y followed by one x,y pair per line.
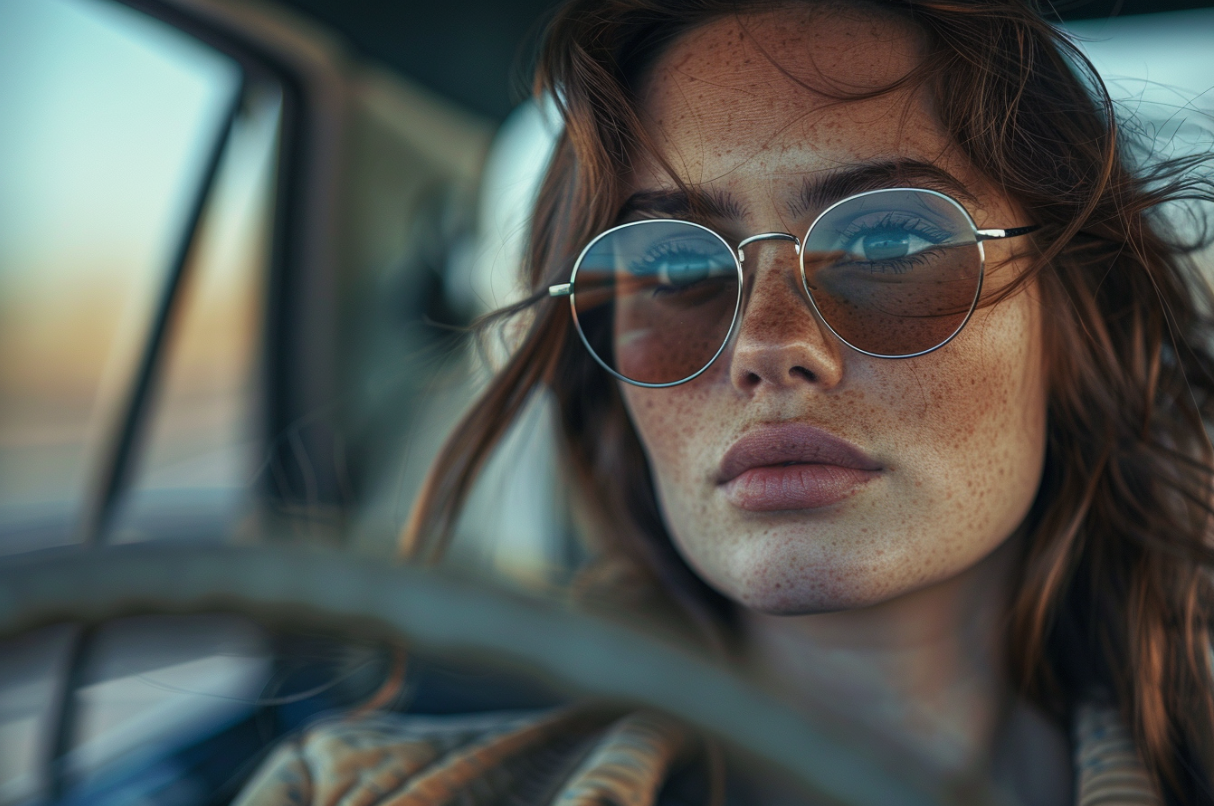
x,y
904,473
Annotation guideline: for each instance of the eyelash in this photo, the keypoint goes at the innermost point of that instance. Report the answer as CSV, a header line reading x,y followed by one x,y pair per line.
x,y
666,250
918,226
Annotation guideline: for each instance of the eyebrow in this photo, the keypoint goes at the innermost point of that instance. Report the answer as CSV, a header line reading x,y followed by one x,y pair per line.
x,y
680,203
822,190
818,190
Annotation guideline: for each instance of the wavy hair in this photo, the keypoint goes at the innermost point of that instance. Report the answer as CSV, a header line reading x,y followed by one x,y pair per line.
x,y
1115,591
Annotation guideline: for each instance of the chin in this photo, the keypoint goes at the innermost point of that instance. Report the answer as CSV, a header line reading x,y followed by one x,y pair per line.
x,y
765,576
809,597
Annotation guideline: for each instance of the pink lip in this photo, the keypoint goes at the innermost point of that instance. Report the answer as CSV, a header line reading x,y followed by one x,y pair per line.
x,y
792,466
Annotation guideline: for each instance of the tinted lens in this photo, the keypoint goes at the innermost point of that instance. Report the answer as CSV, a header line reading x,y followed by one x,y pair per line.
x,y
655,299
894,272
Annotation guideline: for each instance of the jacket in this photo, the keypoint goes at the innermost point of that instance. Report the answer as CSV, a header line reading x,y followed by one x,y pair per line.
x,y
569,758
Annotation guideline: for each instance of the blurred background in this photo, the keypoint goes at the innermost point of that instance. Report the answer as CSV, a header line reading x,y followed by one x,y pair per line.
x,y
238,243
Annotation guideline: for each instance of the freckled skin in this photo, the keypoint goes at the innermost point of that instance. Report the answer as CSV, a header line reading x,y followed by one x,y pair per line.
x,y
959,432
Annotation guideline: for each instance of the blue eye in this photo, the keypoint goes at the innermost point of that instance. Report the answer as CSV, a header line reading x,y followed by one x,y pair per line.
x,y
892,242
888,245
679,264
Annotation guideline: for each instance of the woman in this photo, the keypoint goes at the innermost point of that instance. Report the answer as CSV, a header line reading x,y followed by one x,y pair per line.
x,y
931,447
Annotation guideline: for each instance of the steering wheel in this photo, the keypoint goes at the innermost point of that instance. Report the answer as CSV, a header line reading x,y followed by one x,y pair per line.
x,y
343,594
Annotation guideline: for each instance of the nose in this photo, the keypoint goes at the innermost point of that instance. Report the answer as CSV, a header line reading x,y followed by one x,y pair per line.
x,y
781,342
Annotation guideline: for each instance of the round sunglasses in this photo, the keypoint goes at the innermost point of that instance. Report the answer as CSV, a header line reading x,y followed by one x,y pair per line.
x,y
893,273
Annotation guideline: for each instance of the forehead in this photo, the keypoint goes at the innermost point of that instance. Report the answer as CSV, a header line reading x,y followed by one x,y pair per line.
x,y
752,94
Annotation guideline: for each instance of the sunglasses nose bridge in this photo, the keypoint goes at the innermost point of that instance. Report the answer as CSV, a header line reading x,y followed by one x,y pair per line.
x,y
748,282
768,236
778,272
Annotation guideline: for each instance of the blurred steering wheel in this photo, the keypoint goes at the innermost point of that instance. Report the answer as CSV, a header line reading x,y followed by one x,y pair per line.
x,y
346,595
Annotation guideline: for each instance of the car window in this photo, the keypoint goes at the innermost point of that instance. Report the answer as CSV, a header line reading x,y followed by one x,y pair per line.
x,y
107,118
197,471
109,123
1159,69
1162,59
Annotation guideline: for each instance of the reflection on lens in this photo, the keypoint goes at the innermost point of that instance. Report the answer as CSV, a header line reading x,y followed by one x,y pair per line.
x,y
894,272
655,299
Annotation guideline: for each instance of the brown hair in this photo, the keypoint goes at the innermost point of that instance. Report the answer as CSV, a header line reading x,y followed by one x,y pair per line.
x,y
1115,590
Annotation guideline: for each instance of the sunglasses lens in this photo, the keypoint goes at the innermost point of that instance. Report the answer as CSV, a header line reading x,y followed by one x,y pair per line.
x,y
894,272
655,300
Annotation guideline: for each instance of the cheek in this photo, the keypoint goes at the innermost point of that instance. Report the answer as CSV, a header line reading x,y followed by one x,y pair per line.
x,y
670,423
680,429
972,423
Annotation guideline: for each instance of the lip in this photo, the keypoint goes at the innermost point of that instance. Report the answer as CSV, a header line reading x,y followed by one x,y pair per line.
x,y
792,466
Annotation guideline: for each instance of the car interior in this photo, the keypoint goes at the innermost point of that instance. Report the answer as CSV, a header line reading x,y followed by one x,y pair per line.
x,y
241,246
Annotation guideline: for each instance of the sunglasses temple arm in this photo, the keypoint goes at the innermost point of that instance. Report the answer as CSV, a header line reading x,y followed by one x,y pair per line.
x,y
560,290
995,234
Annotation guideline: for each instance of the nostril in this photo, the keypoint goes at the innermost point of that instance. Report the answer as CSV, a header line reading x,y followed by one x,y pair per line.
x,y
802,372
753,379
